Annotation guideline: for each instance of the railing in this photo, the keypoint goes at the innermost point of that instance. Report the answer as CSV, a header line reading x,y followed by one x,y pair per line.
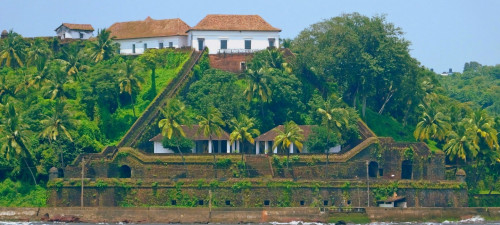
x,y
237,51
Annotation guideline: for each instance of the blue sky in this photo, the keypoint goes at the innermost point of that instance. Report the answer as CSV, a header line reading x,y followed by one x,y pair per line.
x,y
444,34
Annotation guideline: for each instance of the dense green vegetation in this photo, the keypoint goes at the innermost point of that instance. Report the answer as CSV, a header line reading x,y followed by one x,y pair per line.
x,y
59,100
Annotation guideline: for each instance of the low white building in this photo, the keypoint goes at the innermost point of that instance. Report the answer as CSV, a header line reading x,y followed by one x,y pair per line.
x,y
202,143
233,34
134,37
75,31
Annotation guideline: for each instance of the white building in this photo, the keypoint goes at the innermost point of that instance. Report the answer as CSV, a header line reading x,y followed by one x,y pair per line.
x,y
233,34
75,31
135,37
202,143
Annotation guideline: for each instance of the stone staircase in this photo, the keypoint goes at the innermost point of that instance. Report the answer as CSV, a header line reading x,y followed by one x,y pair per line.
x,y
258,166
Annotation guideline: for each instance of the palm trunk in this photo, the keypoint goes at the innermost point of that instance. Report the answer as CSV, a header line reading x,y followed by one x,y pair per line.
x,y
132,101
354,98
29,168
327,151
62,156
363,110
385,102
182,157
153,81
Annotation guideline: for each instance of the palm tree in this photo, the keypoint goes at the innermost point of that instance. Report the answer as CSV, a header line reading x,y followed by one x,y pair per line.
x,y
290,135
460,144
55,88
12,50
60,122
482,124
150,59
258,86
13,131
433,124
130,80
104,48
210,124
72,62
175,116
334,119
243,130
5,90
38,52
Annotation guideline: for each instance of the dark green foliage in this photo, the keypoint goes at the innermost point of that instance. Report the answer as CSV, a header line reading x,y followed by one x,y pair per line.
x,y
184,144
316,142
17,194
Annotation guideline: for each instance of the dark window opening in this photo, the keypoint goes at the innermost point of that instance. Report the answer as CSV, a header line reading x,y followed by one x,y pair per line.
x,y
266,202
271,42
381,172
60,173
133,48
223,44
348,202
161,45
243,67
200,202
173,202
125,171
325,202
406,169
81,35
228,202
201,44
372,169
302,202
170,44
145,47
248,44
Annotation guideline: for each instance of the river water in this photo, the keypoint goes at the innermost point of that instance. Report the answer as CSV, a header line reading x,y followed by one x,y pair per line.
x,y
472,221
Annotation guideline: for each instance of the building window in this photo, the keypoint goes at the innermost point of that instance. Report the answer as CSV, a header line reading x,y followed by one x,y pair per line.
x,y
201,44
325,202
243,66
133,48
302,202
161,45
223,44
228,202
271,42
266,202
145,47
248,44
170,44
81,35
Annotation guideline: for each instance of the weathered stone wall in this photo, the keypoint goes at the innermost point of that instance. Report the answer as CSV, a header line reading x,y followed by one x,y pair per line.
x,y
248,193
229,62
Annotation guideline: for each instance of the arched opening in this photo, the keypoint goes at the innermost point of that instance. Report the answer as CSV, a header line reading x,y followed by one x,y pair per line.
x,y
125,171
372,169
406,169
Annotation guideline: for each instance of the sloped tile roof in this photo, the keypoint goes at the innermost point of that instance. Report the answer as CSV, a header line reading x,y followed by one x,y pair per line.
x,y
73,26
270,135
149,28
191,132
234,23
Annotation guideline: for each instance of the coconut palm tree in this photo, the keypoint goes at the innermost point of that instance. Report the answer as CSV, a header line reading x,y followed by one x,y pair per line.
x,y
55,84
432,125
291,134
175,116
72,62
129,80
243,130
210,124
38,52
482,124
103,48
12,131
12,50
6,90
258,86
334,119
460,144
60,122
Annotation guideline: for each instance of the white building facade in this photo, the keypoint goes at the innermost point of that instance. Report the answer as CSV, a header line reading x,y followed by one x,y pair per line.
x,y
74,31
134,37
233,34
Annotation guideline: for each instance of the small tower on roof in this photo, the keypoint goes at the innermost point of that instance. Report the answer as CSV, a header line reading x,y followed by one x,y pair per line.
x,y
5,33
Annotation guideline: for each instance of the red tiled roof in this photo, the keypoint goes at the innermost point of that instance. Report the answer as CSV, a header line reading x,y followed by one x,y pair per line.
x,y
234,22
73,26
191,132
149,28
270,135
